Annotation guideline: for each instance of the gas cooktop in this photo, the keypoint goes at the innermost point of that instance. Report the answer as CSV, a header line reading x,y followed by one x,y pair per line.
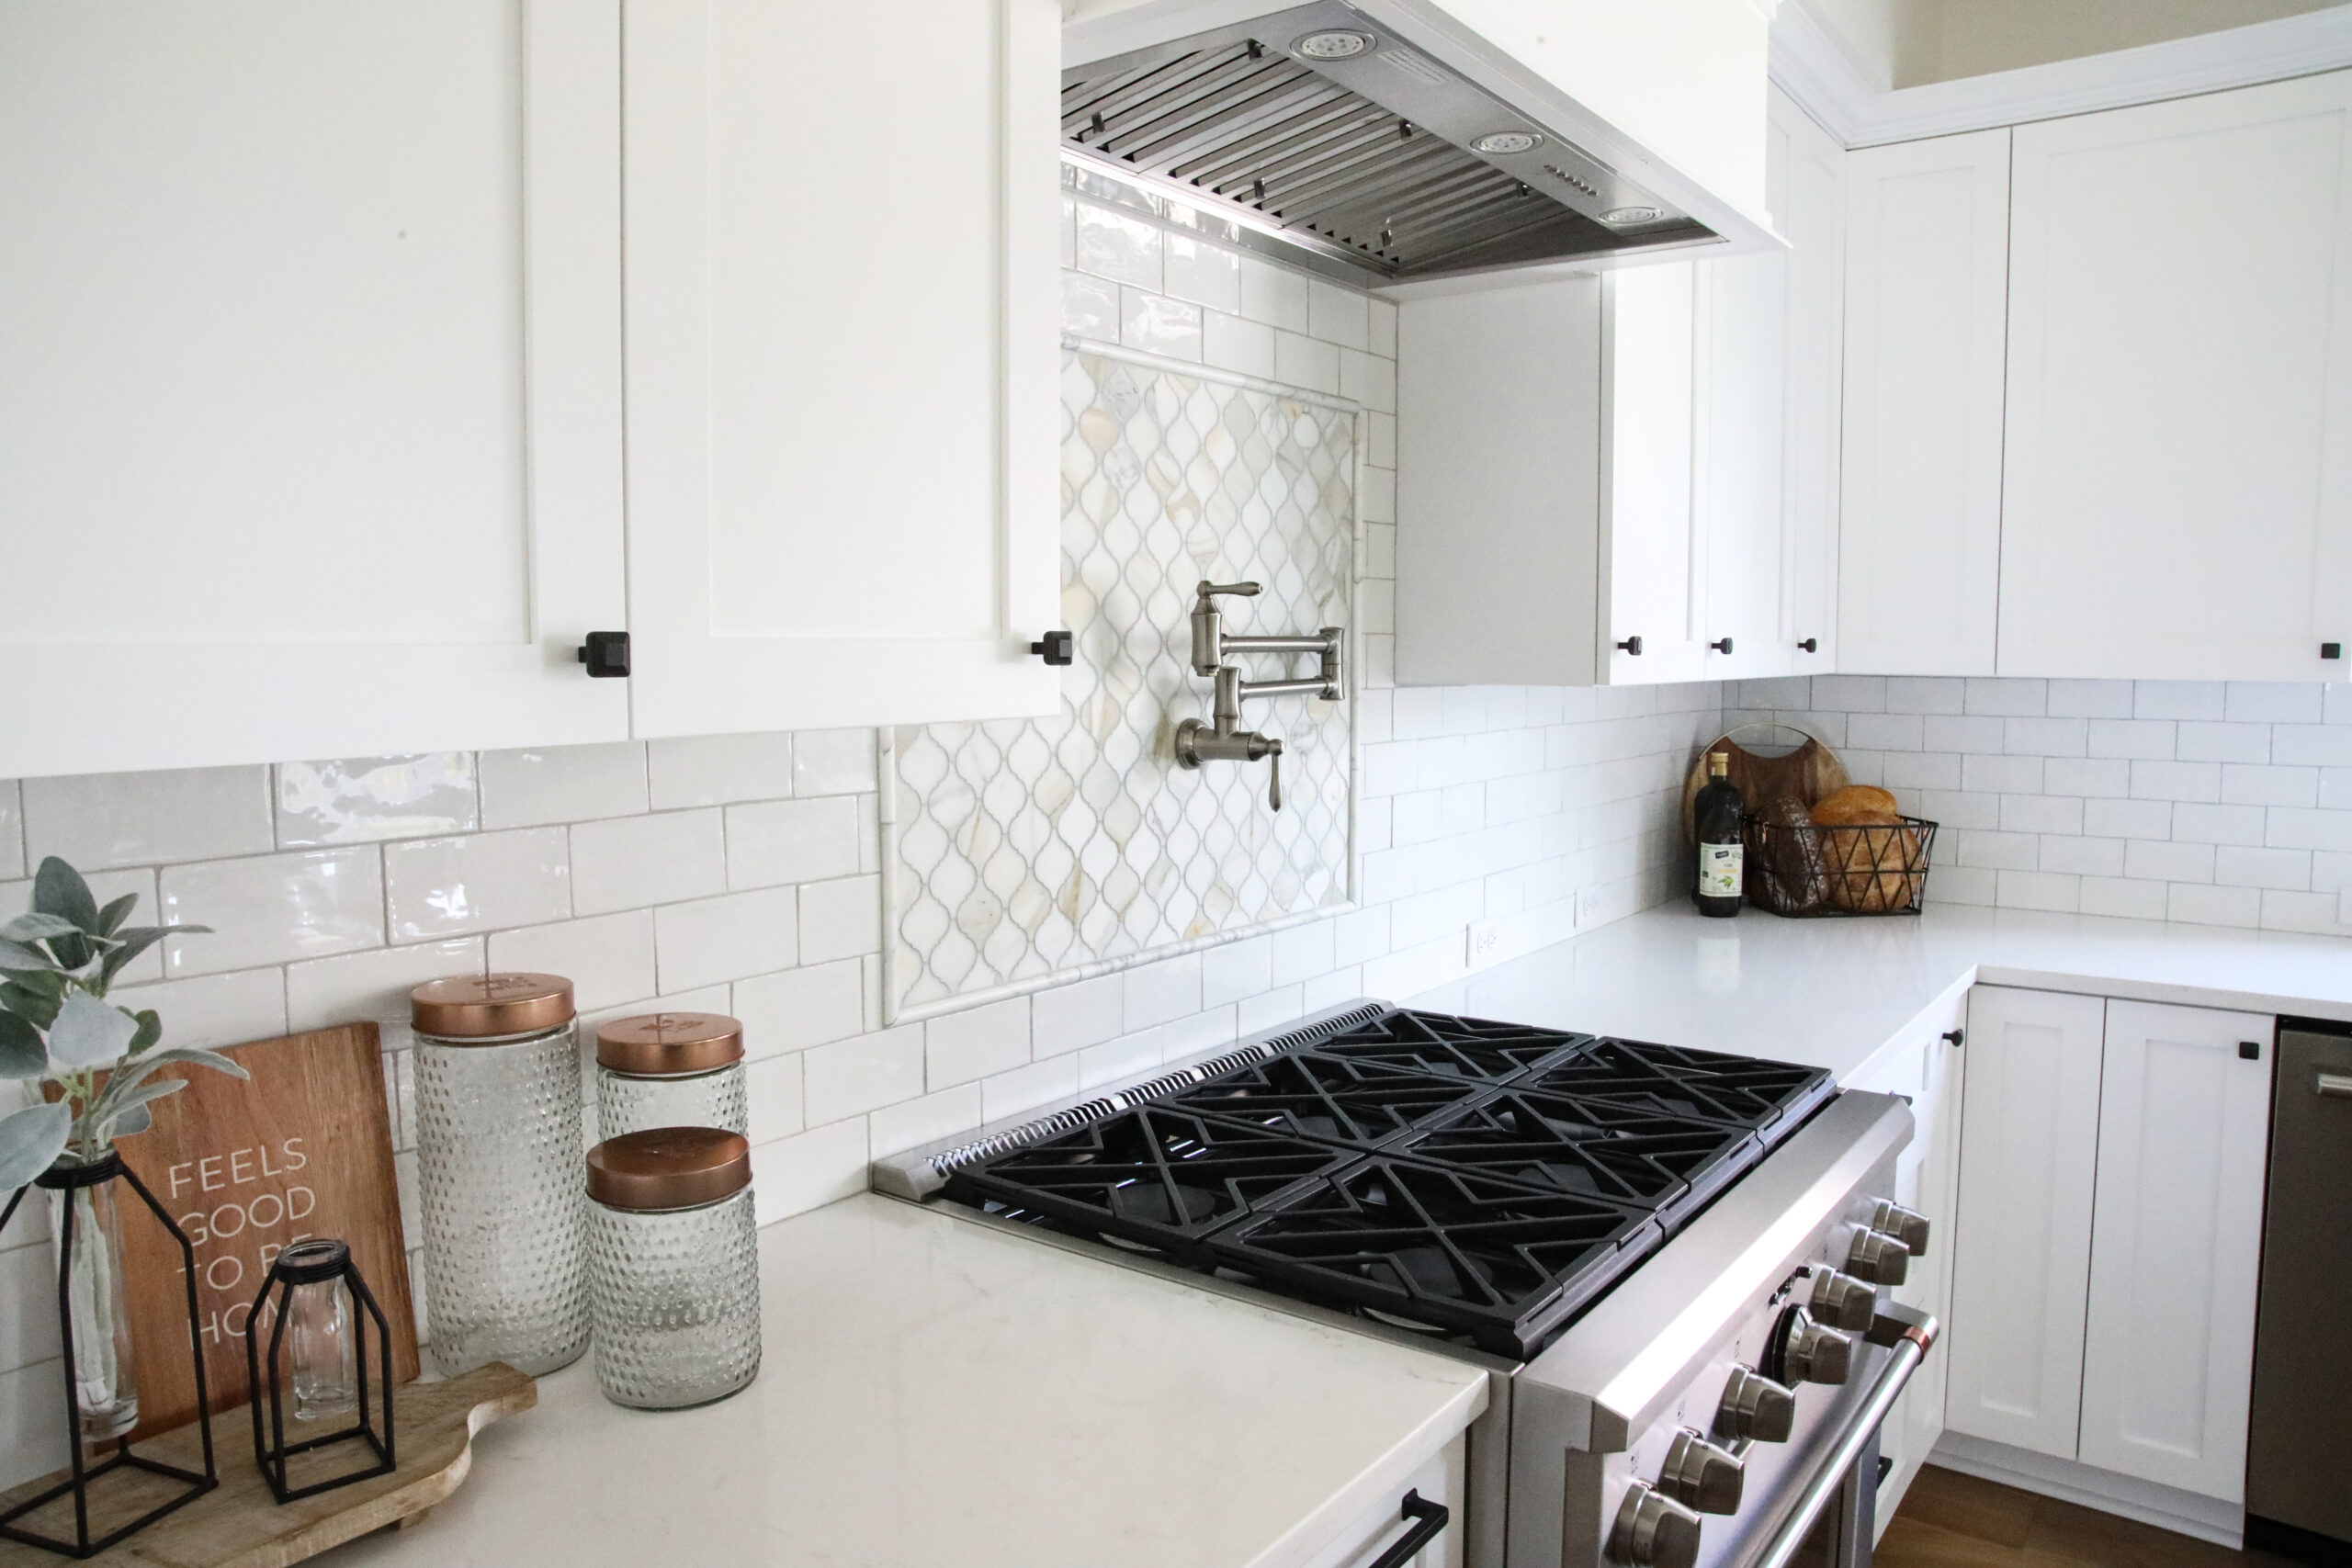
x,y
1484,1180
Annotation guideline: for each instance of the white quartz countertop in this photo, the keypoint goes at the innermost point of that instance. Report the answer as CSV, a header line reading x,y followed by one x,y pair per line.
x,y
936,1392
1831,992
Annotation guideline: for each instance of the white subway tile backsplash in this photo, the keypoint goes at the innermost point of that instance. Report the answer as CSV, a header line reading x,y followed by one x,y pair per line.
x,y
2199,822
896,1128
2156,780
852,1076
793,840
1236,970
2272,702
2296,828
2237,865
1875,731
2133,737
1025,1089
1274,295
2052,891
1338,315
2178,699
717,770
12,829
1368,379
630,862
2203,906
2066,738
2204,741
1380,328
2007,698
1071,1016
2090,699
444,887
607,958
964,1047
2269,786
2003,774
272,908
772,1087
2324,745
1158,325
2104,776
2041,814
362,798
1201,273
323,992
2128,818
794,1175
1089,307
1303,952
539,786
1231,343
708,941
794,1008
2124,898
2168,861
101,820
1155,993
1953,732
1111,244
2081,857
841,919
1303,362
212,1010
1919,693
832,762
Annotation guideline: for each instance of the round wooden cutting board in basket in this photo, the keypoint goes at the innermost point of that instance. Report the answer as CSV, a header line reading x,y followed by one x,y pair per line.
x,y
1796,864
1804,773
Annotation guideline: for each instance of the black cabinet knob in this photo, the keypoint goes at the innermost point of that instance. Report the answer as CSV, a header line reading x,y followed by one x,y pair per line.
x,y
1057,648
1723,647
1632,645
605,654
1956,1036
2331,651
1810,644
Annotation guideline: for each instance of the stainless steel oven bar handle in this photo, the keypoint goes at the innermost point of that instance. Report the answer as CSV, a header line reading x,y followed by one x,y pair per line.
x,y
1910,1332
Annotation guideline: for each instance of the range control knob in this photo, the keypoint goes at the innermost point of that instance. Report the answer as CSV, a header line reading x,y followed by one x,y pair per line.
x,y
1806,1351
1905,1226
1878,1257
1653,1530
1755,1409
1843,1302
1698,1473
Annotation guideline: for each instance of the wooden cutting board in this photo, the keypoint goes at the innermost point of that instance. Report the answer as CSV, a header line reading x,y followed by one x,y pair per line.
x,y
303,1148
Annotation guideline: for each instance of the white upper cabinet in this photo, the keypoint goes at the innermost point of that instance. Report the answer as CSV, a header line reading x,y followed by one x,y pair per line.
x,y
1920,541
1653,564
310,377
842,414
2176,1246
2028,1147
2179,453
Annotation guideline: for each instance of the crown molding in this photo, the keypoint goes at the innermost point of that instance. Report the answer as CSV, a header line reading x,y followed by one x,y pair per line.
x,y
1812,69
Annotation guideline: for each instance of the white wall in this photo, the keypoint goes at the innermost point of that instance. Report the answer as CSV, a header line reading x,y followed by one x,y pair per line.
x,y
1909,43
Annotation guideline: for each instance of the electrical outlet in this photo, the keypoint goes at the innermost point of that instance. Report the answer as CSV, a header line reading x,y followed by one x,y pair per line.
x,y
1587,906
1486,941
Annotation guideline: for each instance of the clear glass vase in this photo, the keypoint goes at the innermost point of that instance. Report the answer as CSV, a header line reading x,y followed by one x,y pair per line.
x,y
106,1387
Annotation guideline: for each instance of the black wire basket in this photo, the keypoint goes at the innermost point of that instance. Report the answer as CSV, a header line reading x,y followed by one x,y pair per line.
x,y
1798,868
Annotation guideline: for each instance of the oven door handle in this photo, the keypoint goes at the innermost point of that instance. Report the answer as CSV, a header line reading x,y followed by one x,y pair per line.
x,y
1430,1521
1910,1332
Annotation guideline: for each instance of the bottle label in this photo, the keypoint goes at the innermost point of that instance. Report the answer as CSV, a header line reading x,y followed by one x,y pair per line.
x,y
1720,871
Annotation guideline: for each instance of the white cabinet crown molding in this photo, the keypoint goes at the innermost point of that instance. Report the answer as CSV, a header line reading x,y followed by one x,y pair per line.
x,y
1808,66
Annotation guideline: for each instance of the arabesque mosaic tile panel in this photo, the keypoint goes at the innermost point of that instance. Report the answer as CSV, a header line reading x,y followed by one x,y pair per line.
x,y
1029,847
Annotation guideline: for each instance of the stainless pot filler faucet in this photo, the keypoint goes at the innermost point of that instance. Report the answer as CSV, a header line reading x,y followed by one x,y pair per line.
x,y
1224,740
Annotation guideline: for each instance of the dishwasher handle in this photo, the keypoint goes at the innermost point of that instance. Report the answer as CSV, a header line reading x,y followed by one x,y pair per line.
x,y
1430,1521
2333,1086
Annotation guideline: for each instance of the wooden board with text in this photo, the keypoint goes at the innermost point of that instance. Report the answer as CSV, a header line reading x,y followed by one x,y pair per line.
x,y
303,1148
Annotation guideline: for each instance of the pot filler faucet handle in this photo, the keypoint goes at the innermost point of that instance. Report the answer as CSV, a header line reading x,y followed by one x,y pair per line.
x,y
1208,623
1223,741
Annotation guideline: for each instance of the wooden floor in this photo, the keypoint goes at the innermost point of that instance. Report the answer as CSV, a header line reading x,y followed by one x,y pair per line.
x,y
1951,1520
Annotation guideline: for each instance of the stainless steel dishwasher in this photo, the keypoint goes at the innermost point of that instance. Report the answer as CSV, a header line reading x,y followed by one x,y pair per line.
x,y
2298,1489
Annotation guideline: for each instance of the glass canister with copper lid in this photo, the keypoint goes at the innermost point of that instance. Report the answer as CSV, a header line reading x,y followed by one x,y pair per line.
x,y
670,1069
498,1157
673,1266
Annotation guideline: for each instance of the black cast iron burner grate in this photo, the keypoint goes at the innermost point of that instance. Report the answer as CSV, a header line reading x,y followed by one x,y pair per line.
x,y
1592,1148
1338,1100
1499,1261
1664,1080
1473,1048
1153,1174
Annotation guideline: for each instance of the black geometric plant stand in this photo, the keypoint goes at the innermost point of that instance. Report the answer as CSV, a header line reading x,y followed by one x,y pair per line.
x,y
68,1179
271,1450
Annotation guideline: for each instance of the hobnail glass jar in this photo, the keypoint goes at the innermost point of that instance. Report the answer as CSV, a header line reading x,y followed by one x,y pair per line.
x,y
670,1069
673,1267
498,1156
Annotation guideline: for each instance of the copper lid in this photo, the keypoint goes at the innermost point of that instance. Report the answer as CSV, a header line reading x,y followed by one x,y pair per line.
x,y
665,1044
484,1006
669,1168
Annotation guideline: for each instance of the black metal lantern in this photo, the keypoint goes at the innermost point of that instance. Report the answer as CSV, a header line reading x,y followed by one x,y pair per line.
x,y
68,1180
329,1363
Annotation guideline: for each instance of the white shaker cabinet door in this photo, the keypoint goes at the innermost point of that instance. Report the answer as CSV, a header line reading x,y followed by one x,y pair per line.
x,y
1919,533
1652,555
2028,1145
2176,1246
842,336
310,377
1809,204
2180,444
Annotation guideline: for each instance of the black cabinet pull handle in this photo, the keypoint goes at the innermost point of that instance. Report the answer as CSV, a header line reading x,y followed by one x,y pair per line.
x,y
1433,1517
1723,647
1056,648
1632,645
2331,651
1810,645
1958,1037
605,654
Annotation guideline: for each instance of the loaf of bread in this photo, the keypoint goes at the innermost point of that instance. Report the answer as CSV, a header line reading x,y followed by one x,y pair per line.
x,y
1856,804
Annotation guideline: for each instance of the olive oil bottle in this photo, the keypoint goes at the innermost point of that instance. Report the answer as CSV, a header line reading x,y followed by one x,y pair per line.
x,y
1715,815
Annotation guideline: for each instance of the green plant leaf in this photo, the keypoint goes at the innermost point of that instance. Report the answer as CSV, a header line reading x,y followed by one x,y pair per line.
x,y
33,998
151,1029
114,914
31,1142
58,889
135,941
135,1121
132,1073
14,956
22,1055
88,1033
37,928
113,1115
72,951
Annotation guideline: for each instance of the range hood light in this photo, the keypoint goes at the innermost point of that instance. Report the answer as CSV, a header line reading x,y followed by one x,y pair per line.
x,y
1332,46
1632,215
1498,141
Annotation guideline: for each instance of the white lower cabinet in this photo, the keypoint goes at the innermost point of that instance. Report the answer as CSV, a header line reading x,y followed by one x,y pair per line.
x,y
1440,1478
2112,1169
2176,1246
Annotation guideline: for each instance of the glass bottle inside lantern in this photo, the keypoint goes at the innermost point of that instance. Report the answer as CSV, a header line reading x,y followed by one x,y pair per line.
x,y
322,1332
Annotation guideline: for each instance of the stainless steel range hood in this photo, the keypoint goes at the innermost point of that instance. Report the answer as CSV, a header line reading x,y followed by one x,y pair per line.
x,y
1320,134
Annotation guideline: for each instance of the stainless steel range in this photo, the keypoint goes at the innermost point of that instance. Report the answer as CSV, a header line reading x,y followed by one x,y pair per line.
x,y
1670,1260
